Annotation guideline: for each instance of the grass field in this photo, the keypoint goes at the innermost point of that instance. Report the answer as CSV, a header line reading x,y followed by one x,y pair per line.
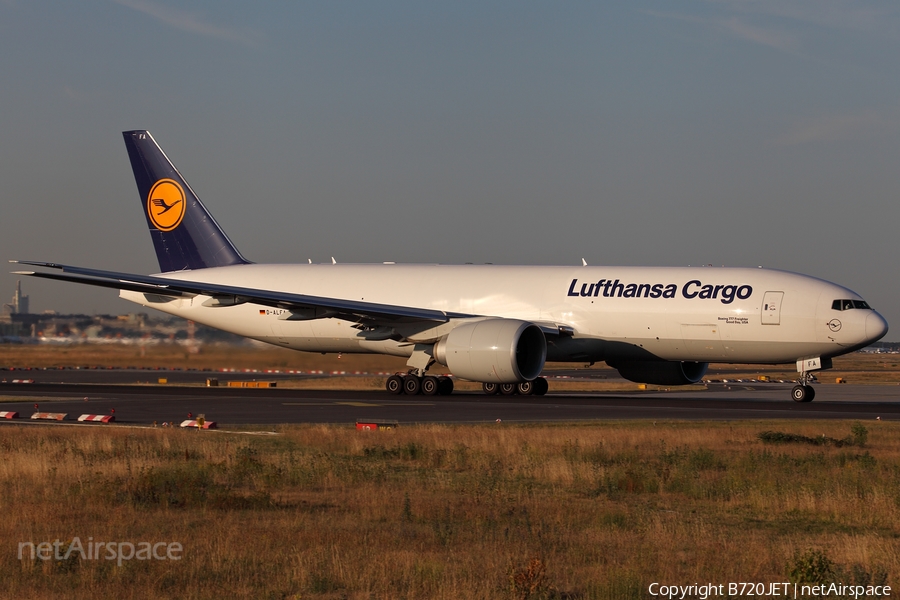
x,y
574,511
545,511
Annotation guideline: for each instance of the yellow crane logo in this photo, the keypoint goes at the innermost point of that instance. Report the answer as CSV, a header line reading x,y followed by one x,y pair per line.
x,y
166,204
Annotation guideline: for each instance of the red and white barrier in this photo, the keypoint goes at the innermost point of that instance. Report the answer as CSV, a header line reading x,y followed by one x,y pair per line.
x,y
23,380
96,418
50,416
193,423
8,414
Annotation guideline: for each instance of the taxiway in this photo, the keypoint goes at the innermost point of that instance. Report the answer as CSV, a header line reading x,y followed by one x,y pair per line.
x,y
146,404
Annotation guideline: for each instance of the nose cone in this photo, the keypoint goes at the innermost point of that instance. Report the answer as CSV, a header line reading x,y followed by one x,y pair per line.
x,y
876,327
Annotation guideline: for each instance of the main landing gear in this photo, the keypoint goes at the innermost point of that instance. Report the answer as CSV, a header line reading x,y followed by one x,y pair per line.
x,y
412,385
803,392
415,381
535,387
429,385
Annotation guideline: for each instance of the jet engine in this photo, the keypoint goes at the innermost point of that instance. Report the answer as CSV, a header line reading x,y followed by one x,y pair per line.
x,y
494,351
663,372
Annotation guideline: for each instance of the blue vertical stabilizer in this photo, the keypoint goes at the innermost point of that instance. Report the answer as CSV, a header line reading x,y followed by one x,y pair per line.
x,y
184,234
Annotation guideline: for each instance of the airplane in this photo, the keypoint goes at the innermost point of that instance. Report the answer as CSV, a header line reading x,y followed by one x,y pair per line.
x,y
492,324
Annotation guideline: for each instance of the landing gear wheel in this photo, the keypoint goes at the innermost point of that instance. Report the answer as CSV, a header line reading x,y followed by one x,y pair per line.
x,y
490,388
540,386
412,385
445,386
430,385
802,393
394,384
526,388
508,389
810,393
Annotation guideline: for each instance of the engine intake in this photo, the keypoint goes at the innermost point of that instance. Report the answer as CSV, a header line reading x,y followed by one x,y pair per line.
x,y
663,372
494,351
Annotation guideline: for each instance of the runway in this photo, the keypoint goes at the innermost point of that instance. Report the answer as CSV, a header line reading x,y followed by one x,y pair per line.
x,y
146,404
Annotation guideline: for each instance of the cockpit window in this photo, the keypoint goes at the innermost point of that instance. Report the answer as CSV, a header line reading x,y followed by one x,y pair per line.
x,y
849,304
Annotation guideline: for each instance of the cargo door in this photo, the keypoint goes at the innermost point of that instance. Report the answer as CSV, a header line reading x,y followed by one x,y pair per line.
x,y
771,308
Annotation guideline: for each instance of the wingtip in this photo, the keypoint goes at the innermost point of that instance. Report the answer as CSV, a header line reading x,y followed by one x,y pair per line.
x,y
33,263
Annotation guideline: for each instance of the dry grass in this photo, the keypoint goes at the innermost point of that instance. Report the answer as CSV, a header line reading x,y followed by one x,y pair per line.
x,y
578,511
211,356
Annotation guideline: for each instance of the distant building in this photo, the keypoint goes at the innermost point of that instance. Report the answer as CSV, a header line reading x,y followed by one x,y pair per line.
x,y
19,304
14,318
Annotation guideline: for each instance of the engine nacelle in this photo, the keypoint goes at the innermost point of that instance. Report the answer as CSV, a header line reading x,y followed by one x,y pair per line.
x,y
494,351
663,372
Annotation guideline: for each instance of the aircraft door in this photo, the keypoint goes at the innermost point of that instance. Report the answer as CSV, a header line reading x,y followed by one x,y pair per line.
x,y
771,308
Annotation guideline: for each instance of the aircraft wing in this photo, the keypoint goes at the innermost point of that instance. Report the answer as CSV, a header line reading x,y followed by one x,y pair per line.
x,y
306,306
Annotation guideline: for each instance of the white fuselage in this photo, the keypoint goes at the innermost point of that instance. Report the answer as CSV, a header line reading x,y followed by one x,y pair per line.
x,y
705,314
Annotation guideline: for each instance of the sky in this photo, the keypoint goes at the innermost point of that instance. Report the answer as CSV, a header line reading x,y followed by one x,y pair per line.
x,y
736,133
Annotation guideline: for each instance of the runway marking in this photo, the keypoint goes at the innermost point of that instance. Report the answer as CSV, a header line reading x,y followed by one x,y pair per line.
x,y
356,404
13,399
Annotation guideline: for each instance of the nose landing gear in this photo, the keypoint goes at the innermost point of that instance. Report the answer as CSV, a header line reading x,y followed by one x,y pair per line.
x,y
803,391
